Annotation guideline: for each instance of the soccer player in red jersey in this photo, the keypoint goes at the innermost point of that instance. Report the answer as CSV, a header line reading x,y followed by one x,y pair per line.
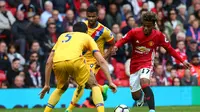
x,y
145,40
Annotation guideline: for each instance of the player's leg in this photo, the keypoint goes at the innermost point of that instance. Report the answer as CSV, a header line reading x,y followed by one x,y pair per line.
x,y
62,85
136,90
76,96
103,88
81,76
145,82
54,98
96,93
97,97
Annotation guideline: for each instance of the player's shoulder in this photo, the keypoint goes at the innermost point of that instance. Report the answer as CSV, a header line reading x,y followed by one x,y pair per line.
x,y
63,35
157,31
160,34
106,29
86,22
81,34
137,29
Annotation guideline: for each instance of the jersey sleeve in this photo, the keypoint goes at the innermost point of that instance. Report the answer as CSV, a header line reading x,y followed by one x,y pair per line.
x,y
108,35
125,39
166,44
91,45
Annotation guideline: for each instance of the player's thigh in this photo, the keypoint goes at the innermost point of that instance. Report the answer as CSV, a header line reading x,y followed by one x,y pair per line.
x,y
61,75
91,81
134,81
81,72
145,75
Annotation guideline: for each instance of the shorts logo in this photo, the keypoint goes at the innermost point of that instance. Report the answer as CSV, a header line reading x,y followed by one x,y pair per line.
x,y
91,65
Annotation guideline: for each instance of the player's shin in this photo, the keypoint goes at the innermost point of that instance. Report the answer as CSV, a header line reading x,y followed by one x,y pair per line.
x,y
149,96
104,90
97,98
101,87
53,100
76,96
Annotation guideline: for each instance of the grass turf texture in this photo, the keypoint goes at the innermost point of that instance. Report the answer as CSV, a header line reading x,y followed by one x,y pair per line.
x,y
135,109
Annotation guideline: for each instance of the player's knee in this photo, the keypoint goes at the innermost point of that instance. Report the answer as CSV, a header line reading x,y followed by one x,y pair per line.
x,y
64,88
144,85
144,82
136,95
91,85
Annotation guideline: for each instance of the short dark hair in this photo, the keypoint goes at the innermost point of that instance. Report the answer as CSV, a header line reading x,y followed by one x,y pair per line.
x,y
51,24
80,27
31,62
195,56
174,79
129,17
92,8
168,63
15,59
34,52
149,16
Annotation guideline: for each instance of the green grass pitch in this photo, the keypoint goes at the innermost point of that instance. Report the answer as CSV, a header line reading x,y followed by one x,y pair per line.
x,y
135,109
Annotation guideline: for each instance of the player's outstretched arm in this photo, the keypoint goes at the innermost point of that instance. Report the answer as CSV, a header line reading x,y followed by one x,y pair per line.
x,y
165,43
48,68
102,62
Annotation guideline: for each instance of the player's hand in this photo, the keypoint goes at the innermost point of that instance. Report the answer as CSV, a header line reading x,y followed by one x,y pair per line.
x,y
113,87
44,91
113,51
187,65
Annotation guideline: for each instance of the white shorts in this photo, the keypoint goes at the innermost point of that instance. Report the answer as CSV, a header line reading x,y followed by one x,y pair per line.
x,y
134,79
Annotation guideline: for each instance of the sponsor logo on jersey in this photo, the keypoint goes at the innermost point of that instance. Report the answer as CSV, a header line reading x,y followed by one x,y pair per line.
x,y
142,50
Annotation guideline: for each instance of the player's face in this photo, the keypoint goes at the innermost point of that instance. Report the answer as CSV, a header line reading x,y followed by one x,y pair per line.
x,y
148,26
92,18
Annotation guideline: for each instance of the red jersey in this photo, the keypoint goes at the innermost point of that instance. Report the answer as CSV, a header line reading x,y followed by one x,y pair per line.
x,y
195,71
182,55
144,48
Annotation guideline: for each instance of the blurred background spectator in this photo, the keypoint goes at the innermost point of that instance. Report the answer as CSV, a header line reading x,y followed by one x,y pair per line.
x,y
6,21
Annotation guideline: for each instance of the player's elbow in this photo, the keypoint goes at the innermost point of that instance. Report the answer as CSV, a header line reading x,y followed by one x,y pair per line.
x,y
99,58
102,62
49,63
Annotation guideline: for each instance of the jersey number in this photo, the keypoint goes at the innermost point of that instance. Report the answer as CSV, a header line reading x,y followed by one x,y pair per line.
x,y
68,37
145,70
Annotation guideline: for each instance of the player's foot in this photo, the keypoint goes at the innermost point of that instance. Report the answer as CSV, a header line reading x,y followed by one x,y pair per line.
x,y
140,102
152,111
68,110
104,93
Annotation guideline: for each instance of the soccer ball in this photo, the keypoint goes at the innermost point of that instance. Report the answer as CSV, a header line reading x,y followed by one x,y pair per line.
x,y
121,108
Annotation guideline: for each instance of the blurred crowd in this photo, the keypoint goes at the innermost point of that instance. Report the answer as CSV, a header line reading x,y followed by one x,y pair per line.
x,y
30,28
